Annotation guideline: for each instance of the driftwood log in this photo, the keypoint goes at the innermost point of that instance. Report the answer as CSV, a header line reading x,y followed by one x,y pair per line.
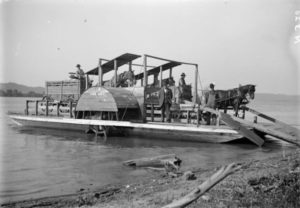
x,y
171,163
205,186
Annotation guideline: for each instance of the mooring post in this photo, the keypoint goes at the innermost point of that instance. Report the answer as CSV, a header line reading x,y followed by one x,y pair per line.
x,y
255,119
71,108
188,117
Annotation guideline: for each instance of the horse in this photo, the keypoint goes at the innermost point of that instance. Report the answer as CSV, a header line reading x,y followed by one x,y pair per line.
x,y
124,79
233,97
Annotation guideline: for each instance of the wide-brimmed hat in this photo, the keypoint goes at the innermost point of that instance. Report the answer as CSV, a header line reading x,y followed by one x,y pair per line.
x,y
78,65
183,74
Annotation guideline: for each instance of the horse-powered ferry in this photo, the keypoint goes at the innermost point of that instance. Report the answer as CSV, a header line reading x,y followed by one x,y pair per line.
x,y
128,104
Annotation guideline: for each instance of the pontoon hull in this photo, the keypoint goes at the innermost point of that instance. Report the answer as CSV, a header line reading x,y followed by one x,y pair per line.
x,y
169,131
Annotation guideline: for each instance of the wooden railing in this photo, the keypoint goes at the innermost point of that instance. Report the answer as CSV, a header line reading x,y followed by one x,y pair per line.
x,y
59,107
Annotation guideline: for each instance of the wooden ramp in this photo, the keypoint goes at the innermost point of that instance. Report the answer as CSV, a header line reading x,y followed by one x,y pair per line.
x,y
271,130
288,129
236,125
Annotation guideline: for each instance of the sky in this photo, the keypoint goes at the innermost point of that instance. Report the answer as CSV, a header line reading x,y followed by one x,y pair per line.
x,y
233,41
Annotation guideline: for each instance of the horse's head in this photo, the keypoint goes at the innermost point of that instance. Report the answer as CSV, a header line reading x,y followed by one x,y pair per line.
x,y
247,91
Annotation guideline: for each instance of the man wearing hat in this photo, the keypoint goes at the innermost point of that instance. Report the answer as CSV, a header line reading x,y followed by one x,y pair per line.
x,y
165,101
182,85
211,96
210,101
79,72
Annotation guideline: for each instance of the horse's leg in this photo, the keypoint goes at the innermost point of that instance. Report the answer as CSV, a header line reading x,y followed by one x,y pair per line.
x,y
236,112
225,108
236,109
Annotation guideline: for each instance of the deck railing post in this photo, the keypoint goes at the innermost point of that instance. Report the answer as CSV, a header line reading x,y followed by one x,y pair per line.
x,y
144,113
117,115
218,120
26,108
61,90
47,108
71,109
152,112
36,107
198,116
57,109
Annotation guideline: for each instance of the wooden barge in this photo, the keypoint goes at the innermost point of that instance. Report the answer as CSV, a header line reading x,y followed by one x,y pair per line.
x,y
115,106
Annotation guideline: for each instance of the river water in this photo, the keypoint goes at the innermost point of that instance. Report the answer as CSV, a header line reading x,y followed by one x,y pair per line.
x,y
43,162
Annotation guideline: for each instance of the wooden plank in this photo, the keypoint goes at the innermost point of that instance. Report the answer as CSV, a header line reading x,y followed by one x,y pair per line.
x,y
271,131
241,129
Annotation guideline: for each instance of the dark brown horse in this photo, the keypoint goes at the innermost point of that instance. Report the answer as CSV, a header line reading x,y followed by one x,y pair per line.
x,y
234,97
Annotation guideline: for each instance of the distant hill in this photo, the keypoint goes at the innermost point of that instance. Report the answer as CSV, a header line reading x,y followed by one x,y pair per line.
x,y
21,88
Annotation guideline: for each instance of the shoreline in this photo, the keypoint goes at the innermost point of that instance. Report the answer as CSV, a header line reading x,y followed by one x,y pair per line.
x,y
271,182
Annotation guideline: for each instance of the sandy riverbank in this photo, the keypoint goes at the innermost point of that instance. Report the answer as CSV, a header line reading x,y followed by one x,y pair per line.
x,y
272,182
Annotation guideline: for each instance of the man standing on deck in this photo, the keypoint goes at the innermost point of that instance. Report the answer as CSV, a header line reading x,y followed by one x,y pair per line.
x,y
210,102
79,72
182,85
211,97
165,102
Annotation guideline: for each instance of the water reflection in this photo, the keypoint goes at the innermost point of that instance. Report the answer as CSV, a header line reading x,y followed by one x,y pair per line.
x,y
40,162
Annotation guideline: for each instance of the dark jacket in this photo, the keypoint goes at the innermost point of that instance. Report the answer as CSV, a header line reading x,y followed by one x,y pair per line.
x,y
165,97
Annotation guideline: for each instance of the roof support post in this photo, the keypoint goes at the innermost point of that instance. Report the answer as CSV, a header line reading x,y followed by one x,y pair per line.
x,y
170,73
100,73
145,71
87,80
160,72
130,66
196,86
115,68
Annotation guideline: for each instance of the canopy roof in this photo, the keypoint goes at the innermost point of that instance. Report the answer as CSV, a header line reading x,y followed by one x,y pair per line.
x,y
108,66
156,70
